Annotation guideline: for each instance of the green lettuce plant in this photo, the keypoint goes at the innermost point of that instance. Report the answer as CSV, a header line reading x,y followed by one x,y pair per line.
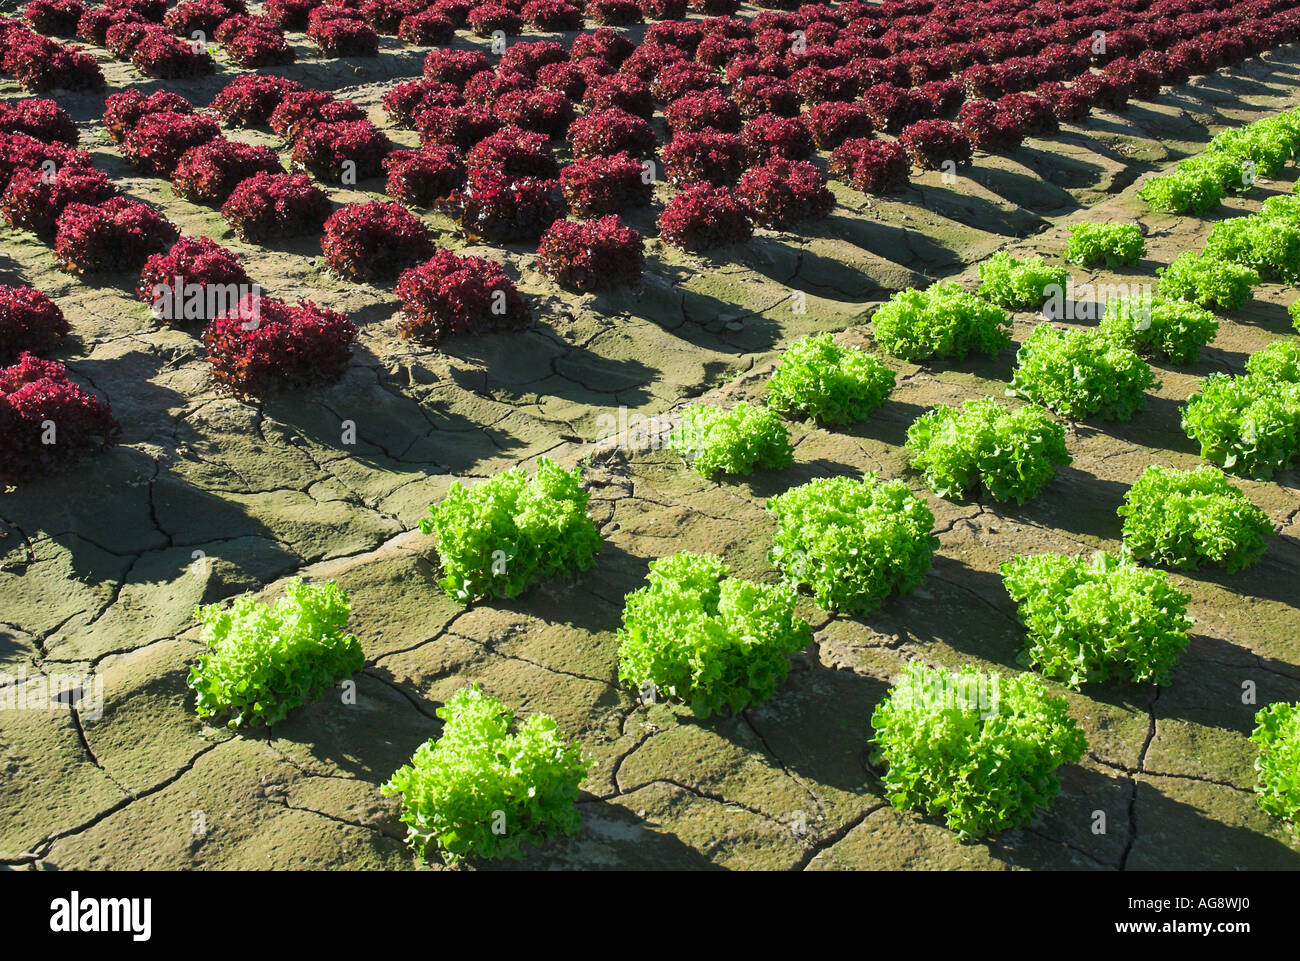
x,y
715,642
734,441
1090,618
941,321
1019,284
1081,373
1248,425
827,381
979,749
498,537
1268,245
1277,767
263,660
1010,453
1155,326
853,542
1114,245
486,786
1278,361
1206,281
1189,518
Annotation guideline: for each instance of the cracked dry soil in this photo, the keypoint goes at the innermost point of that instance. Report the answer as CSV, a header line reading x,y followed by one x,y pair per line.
x,y
99,571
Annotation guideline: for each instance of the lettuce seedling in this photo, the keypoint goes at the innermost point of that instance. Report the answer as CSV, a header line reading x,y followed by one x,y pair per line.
x,y
853,542
1115,245
1277,767
1188,518
1081,373
1248,425
717,643
942,321
1019,284
980,749
263,660
1153,326
733,441
486,790
1088,618
828,381
1010,453
496,538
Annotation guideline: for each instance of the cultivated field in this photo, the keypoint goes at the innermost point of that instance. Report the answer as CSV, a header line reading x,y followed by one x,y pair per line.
x,y
207,496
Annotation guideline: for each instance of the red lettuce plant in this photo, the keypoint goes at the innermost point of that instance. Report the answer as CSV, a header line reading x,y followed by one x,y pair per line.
x,y
768,135
662,9
485,87
542,111
29,323
681,77
1068,103
47,422
34,199
57,18
202,16
297,111
700,110
197,279
1031,114
158,140
94,24
450,295
500,210
702,217
38,118
833,123
622,91
332,151
419,178
783,192
605,185
705,157
870,165
564,78
207,174
249,101
891,108
343,38
405,102
513,153
117,234
591,254
609,45
606,132
487,18
122,111
989,128
613,13
267,206
461,127
158,54
265,345
426,28
454,66
18,152
529,57
258,47
763,93
552,16
932,143
374,241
